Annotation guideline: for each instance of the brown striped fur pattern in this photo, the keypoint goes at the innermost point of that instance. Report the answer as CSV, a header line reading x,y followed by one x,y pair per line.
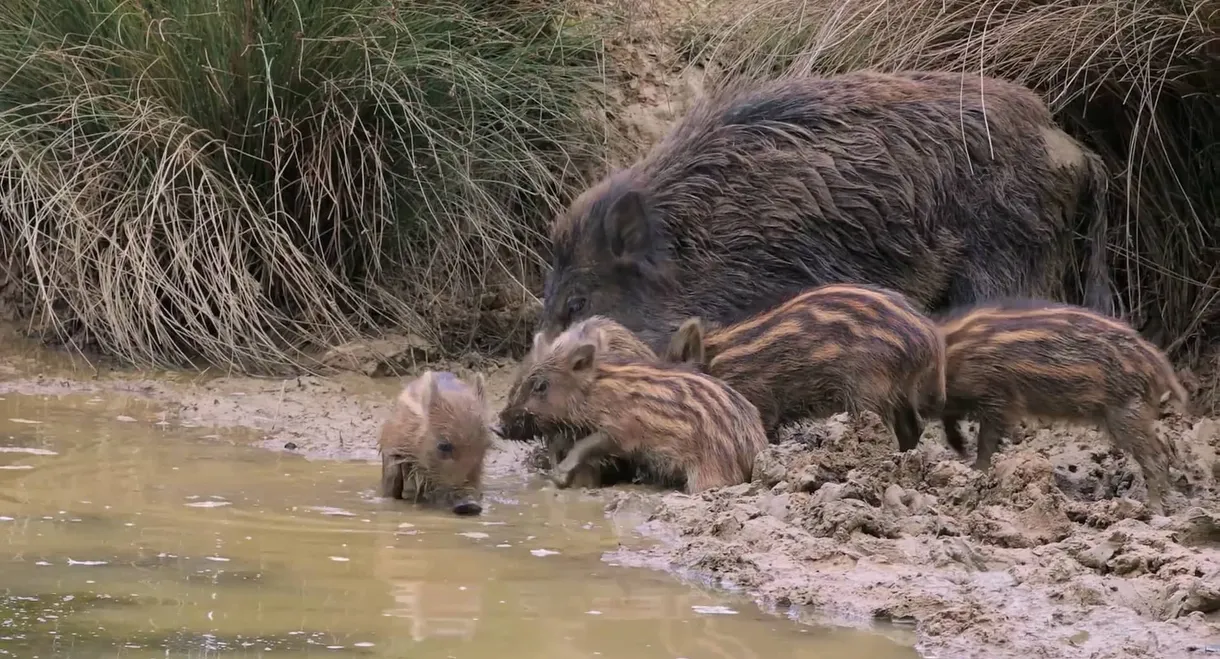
x,y
834,347
611,339
1012,359
686,426
434,440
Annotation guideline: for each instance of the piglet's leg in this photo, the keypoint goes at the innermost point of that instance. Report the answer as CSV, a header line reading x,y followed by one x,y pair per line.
x,y
584,450
391,477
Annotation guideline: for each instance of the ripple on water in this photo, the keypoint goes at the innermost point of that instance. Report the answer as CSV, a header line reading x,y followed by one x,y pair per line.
x,y
208,504
31,450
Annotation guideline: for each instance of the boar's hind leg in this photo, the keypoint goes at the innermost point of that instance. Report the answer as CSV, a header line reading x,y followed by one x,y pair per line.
x,y
582,452
391,477
1133,431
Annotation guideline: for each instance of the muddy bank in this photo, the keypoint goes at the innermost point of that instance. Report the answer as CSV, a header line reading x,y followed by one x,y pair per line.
x,y
1049,555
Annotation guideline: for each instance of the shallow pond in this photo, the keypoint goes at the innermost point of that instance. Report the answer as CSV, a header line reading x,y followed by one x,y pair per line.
x,y
122,535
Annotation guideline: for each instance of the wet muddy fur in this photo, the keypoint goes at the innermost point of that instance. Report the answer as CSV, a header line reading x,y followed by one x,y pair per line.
x,y
901,180
1013,359
829,349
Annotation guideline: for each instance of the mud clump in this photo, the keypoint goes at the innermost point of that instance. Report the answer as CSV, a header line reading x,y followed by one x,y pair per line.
x,y
433,443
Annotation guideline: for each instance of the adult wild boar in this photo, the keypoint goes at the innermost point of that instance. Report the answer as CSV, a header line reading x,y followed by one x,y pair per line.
x,y
947,188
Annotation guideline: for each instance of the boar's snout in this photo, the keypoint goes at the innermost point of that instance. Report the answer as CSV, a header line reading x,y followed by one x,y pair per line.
x,y
515,425
467,507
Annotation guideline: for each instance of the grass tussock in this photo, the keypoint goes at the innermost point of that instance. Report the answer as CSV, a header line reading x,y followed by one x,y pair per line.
x,y
238,181
1138,80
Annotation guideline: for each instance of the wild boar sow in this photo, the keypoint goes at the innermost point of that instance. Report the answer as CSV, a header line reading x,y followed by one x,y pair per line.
x,y
433,443
1015,359
947,189
688,428
830,348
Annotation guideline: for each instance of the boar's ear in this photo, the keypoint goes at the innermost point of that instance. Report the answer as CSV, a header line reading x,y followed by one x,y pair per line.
x,y
582,356
480,387
686,345
628,228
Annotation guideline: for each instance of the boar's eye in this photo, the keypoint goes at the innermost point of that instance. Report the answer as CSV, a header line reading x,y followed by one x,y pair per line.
x,y
445,447
540,387
575,306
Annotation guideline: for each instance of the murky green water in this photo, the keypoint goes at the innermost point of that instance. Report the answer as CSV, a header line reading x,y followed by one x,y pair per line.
x,y
123,536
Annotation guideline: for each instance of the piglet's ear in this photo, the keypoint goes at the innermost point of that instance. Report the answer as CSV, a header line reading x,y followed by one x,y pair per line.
x,y
425,392
582,357
433,389
423,388
686,345
628,230
480,387
539,342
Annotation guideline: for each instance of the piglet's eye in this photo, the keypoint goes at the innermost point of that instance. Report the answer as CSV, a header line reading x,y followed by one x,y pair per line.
x,y
445,447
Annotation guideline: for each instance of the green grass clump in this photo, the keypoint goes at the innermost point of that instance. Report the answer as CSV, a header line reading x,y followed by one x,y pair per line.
x,y
1137,80
243,180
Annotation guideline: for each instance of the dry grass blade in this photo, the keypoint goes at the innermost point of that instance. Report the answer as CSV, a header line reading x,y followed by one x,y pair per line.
x,y
241,182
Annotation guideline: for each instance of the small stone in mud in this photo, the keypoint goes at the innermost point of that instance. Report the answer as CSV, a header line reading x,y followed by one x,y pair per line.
x,y
892,499
886,614
741,490
813,477
291,446
1201,527
779,507
768,469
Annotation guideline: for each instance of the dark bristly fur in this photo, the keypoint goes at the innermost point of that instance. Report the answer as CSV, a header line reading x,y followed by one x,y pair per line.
x,y
612,339
840,346
687,427
433,443
948,188
1018,358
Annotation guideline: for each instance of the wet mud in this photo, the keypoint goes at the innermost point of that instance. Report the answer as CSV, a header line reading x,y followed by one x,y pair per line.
x,y
1049,554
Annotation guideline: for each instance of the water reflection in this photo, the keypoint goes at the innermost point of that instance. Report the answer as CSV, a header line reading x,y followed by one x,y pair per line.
x,y
123,536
